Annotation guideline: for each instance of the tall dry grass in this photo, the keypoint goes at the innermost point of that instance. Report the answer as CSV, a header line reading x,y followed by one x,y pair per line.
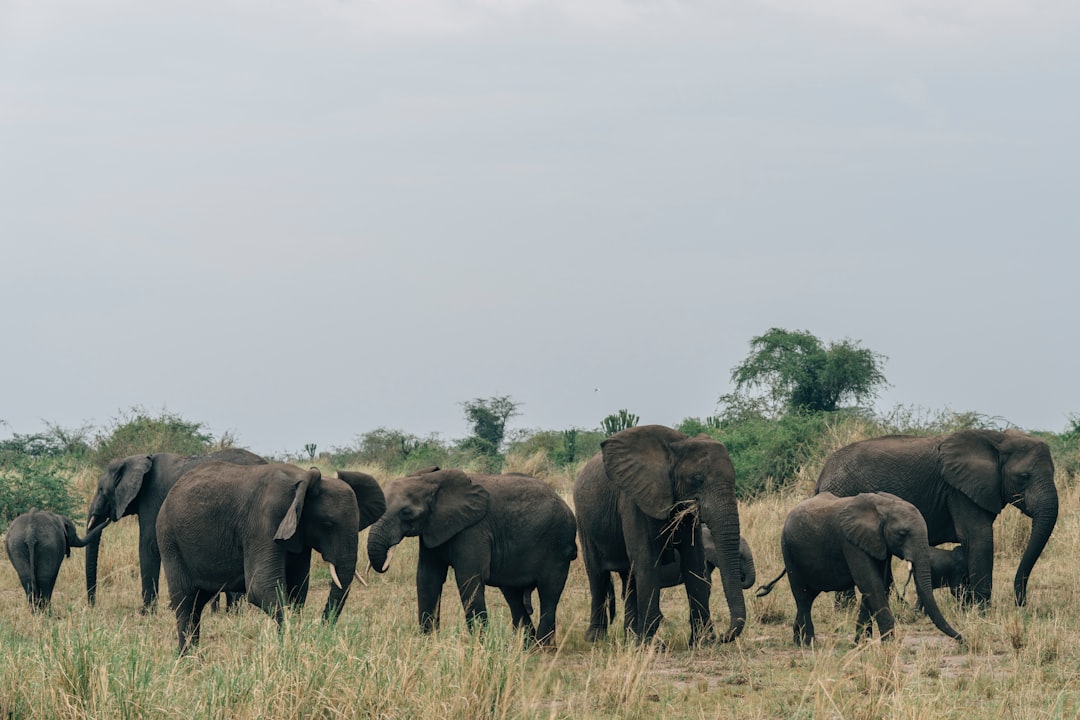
x,y
112,662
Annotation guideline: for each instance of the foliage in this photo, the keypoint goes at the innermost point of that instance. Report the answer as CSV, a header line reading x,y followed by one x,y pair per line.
x,y
139,432
563,448
619,421
42,482
488,418
798,373
768,453
396,450
55,441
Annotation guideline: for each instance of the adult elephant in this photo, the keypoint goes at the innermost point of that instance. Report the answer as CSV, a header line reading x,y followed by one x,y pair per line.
x,y
643,497
959,482
226,527
510,531
137,485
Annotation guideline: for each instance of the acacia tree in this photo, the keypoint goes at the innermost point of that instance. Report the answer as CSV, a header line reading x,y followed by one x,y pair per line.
x,y
796,372
488,418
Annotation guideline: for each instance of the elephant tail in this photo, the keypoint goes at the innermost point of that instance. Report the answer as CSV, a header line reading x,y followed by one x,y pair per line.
x,y
31,545
767,587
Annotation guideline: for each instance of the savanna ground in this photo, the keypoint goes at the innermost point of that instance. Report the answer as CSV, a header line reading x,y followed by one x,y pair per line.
x,y
112,662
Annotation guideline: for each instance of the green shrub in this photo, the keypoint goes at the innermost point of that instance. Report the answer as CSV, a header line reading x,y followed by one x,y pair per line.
x,y
138,433
28,481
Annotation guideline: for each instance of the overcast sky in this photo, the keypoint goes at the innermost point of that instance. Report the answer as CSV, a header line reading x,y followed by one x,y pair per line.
x,y
300,221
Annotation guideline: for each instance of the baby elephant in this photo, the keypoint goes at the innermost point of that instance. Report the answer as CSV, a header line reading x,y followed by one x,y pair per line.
x,y
832,543
512,532
37,543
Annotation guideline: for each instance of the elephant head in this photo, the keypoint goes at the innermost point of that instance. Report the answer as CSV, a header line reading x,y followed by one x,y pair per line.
x,y
436,505
664,471
882,525
117,487
995,469
319,510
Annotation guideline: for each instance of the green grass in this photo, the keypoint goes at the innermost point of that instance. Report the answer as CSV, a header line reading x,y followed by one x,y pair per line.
x,y
112,662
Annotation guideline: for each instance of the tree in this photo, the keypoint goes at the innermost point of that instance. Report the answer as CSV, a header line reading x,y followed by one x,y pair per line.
x,y
488,418
800,374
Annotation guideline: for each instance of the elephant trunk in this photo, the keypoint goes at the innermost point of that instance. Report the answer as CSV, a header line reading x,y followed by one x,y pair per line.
x,y
746,563
924,589
382,538
342,574
722,518
1043,520
92,549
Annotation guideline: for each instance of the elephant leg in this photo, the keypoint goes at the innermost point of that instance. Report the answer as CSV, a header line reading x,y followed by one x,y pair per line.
x,y
297,577
803,628
430,578
600,592
980,545
550,591
189,609
149,566
870,578
471,589
695,580
519,613
647,587
864,627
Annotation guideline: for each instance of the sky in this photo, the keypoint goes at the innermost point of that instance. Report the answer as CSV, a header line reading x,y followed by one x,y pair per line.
x,y
300,221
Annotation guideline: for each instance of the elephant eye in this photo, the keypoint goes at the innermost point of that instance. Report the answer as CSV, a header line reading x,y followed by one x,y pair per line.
x,y
697,479
408,513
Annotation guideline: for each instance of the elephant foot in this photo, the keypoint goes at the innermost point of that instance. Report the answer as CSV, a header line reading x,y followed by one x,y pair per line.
x,y
595,634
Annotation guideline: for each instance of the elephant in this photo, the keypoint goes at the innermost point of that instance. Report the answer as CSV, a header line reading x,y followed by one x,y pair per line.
x,y
137,485
37,543
959,482
839,543
641,503
510,531
252,528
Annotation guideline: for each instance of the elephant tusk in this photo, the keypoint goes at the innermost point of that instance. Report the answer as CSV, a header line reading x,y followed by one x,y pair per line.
x,y
358,576
333,574
389,554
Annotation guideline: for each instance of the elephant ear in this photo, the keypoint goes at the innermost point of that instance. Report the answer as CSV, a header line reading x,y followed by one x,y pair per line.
x,y
970,462
458,503
127,477
286,531
861,522
369,496
638,461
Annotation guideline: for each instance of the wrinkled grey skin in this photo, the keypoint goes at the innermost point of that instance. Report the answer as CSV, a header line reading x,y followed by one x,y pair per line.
x,y
832,543
641,503
252,528
37,543
512,532
959,482
137,485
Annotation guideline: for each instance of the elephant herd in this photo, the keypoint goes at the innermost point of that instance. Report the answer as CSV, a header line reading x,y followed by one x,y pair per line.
x,y
654,506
